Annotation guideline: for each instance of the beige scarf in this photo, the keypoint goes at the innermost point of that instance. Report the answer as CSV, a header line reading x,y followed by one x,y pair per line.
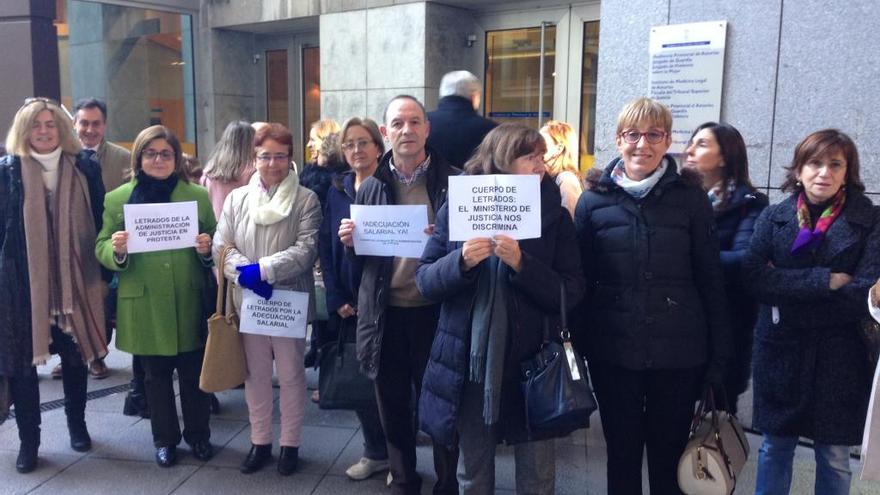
x,y
65,277
266,206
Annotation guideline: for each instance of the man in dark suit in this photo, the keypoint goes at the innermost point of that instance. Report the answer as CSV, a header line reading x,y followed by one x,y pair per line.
x,y
456,127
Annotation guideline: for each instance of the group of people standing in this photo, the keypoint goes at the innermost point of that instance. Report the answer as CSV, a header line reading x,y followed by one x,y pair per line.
x,y
677,280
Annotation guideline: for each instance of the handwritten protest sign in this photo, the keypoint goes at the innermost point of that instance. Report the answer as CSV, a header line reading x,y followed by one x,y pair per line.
x,y
390,230
486,205
161,226
285,315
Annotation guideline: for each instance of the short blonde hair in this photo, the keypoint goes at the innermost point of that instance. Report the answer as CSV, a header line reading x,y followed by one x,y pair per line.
x,y
18,139
325,127
643,110
561,133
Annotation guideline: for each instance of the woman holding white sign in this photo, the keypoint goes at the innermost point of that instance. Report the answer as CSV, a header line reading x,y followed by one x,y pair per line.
x,y
160,312
362,146
496,294
50,206
272,226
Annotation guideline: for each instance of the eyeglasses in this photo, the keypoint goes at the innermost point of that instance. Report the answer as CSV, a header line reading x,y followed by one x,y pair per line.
x,y
165,155
267,158
633,137
360,144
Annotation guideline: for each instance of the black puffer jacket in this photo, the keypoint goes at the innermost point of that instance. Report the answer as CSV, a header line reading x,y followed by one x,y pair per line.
x,y
547,262
16,346
655,294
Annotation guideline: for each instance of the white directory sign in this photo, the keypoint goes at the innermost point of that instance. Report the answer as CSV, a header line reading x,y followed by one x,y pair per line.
x,y
161,226
687,70
390,230
285,315
487,205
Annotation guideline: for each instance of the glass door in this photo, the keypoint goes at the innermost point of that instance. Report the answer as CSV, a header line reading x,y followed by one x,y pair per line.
x,y
311,84
515,88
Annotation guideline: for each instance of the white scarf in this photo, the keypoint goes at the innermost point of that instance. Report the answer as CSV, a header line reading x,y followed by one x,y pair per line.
x,y
49,163
268,206
637,188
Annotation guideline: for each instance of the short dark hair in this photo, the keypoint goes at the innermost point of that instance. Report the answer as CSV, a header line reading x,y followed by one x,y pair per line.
x,y
276,132
91,102
817,145
148,135
403,97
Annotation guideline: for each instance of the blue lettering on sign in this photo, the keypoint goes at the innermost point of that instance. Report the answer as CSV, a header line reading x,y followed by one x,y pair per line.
x,y
517,115
686,43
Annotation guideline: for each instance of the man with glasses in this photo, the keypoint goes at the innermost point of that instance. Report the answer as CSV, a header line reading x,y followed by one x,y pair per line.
x,y
396,325
456,127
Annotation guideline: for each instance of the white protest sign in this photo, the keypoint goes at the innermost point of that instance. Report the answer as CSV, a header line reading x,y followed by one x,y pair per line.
x,y
687,69
390,230
161,226
486,205
285,315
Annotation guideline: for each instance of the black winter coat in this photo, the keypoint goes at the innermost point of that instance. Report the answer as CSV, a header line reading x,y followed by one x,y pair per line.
x,y
810,372
376,270
734,225
546,262
457,129
655,294
341,276
16,341
319,179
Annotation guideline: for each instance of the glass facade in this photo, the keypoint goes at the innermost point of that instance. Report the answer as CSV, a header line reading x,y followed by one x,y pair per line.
x,y
513,59
140,61
277,104
589,78
311,84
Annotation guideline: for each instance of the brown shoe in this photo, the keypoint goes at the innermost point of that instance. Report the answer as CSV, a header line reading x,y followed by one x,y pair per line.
x,y
98,369
56,372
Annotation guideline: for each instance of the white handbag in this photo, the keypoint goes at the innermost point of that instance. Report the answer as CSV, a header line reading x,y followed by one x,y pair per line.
x,y
715,453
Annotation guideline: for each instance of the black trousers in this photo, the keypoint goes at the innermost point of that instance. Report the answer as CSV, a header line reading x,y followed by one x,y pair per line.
x,y
196,405
639,409
25,390
406,345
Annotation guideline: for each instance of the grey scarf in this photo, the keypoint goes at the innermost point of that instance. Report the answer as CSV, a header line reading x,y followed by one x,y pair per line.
x,y
489,331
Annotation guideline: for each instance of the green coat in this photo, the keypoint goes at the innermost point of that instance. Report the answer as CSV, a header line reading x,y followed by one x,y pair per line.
x,y
159,305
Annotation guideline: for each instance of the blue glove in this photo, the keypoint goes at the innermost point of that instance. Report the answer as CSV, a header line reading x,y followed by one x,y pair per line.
x,y
263,289
249,275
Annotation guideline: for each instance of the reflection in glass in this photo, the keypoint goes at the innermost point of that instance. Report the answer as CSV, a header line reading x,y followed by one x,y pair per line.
x,y
588,96
139,61
513,60
276,87
311,74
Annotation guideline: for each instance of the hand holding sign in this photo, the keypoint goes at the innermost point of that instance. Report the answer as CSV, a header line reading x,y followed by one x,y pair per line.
x,y
203,244
346,232
508,250
119,241
475,251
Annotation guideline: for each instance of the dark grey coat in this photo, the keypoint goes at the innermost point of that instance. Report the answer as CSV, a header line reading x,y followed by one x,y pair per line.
x,y
810,372
376,270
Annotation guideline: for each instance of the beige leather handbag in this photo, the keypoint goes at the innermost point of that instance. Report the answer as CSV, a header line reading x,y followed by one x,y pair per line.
x,y
715,454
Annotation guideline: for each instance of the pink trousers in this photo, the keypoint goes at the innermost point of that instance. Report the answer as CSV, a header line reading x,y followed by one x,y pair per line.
x,y
288,356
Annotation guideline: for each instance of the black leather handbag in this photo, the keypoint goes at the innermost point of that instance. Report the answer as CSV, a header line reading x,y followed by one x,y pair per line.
x,y
555,384
340,382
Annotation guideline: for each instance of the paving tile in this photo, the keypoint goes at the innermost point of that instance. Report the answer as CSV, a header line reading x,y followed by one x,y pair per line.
x,y
136,442
90,476
213,479
54,437
340,485
49,465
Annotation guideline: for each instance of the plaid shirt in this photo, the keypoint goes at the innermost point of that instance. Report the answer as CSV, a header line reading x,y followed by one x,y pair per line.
x,y
420,171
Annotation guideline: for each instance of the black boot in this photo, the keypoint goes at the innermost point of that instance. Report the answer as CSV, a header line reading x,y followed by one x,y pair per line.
x,y
256,458
27,457
75,381
80,440
136,400
288,458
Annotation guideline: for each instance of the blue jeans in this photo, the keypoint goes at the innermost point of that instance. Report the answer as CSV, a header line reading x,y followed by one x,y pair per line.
x,y
775,467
